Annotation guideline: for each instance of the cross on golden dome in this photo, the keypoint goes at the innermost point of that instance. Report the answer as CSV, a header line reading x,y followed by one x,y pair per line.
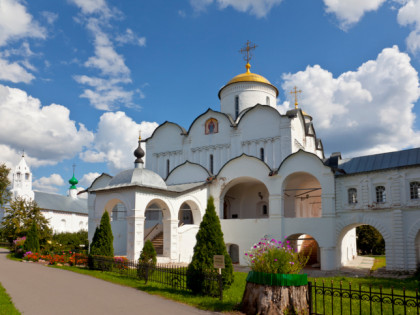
x,y
295,91
247,52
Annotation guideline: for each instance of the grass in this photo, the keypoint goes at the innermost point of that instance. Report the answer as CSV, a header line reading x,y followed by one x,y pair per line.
x,y
6,304
380,262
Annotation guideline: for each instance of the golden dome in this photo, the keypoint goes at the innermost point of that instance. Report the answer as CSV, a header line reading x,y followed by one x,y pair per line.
x,y
249,77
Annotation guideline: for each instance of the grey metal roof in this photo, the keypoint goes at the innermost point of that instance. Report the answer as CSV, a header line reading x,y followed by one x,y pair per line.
x,y
381,161
139,176
57,202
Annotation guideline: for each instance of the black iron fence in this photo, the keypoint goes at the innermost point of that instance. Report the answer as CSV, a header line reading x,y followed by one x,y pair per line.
x,y
170,275
330,299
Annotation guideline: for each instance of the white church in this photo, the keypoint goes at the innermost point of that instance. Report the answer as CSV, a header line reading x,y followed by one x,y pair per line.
x,y
269,178
64,213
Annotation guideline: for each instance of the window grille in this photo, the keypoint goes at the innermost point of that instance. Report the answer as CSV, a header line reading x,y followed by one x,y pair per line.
x,y
414,190
352,193
380,194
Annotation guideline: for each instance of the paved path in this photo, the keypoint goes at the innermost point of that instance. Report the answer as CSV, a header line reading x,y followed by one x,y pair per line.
x,y
37,289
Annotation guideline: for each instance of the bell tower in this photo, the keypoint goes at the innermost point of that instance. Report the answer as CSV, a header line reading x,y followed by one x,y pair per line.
x,y
22,181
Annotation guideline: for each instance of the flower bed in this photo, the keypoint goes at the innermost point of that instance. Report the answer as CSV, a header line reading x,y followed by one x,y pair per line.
x,y
272,256
71,258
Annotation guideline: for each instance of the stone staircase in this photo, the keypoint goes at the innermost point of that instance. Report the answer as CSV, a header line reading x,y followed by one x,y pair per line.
x,y
158,243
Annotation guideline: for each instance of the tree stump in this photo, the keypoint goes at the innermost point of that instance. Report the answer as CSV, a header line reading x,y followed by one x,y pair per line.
x,y
272,299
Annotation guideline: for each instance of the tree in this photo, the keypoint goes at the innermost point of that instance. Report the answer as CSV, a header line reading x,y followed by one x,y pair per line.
x,y
4,183
102,242
32,239
370,241
148,254
147,259
209,243
20,214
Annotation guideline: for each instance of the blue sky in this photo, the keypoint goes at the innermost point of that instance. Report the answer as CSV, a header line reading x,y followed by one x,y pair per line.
x,y
79,78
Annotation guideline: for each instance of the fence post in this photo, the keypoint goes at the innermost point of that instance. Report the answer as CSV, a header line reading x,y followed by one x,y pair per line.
x,y
219,277
310,296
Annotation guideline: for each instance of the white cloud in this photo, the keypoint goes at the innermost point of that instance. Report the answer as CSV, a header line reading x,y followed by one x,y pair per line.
x,y
115,140
14,72
49,184
16,22
371,108
409,15
46,133
106,91
259,8
88,178
130,38
350,12
50,17
92,6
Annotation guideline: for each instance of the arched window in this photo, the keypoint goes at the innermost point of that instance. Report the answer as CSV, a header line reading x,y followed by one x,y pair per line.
x,y
414,190
262,154
236,106
168,167
18,175
380,194
27,176
352,194
211,163
267,100
265,210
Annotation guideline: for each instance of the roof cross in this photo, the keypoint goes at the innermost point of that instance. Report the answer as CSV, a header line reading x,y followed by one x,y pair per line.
x,y
247,51
295,91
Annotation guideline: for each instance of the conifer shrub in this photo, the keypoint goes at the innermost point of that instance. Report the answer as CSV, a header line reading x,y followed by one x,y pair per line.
x,y
102,245
210,242
147,260
32,239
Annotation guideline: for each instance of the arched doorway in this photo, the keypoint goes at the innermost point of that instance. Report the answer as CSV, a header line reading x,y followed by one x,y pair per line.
x,y
117,212
362,240
307,245
156,226
417,245
233,251
246,198
302,196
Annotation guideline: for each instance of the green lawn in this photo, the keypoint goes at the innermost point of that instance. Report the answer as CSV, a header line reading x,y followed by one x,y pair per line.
x,y
380,262
6,305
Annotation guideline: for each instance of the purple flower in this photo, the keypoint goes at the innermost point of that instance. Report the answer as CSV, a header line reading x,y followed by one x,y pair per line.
x,y
275,259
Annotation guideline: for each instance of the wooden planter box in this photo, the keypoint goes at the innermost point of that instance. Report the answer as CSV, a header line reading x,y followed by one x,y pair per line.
x,y
275,294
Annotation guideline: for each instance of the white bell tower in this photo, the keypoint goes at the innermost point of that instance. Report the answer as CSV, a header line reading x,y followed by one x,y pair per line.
x,y
22,181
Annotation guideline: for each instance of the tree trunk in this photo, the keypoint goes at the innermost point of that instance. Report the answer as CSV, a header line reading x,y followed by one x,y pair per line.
x,y
269,300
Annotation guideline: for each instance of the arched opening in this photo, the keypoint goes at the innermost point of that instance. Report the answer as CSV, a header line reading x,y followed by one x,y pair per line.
x,y
185,215
302,196
118,213
247,198
156,226
233,251
361,242
417,245
305,244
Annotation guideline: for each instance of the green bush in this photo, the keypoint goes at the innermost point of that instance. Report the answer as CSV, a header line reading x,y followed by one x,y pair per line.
x,y
70,241
32,240
103,238
209,243
147,260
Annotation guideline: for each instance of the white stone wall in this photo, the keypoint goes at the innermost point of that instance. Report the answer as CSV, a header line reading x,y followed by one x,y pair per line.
x,y
65,221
